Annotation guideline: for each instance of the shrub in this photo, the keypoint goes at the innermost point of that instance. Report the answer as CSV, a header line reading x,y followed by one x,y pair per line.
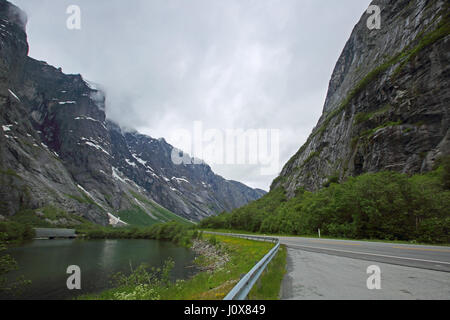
x,y
383,205
14,231
212,240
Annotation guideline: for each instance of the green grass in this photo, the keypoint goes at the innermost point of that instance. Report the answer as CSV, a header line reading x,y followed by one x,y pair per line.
x,y
268,286
427,40
29,217
160,212
244,254
369,133
53,213
137,216
166,215
86,199
79,199
366,116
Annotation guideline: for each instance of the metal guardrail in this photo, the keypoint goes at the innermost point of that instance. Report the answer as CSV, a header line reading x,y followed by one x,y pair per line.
x,y
241,290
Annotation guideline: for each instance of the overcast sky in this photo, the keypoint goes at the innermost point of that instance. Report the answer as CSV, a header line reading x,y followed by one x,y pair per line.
x,y
232,64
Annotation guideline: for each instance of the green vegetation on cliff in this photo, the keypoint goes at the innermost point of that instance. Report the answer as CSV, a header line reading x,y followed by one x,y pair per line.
x,y
391,66
147,213
384,205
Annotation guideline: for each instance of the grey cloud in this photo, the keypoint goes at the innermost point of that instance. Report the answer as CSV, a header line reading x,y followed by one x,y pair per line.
x,y
229,63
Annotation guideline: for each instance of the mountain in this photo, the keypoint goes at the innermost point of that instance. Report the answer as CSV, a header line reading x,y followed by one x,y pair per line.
x,y
62,160
387,106
377,165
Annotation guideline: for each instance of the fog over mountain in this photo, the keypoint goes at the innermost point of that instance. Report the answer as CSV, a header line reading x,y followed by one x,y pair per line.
x,y
231,64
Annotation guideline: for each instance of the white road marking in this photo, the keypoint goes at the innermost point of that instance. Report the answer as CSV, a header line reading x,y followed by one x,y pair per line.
x,y
370,254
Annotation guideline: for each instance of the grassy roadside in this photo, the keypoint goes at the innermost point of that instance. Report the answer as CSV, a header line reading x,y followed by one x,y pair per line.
x,y
269,285
207,285
324,237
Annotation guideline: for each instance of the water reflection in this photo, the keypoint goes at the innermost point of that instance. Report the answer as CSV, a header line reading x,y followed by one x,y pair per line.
x,y
45,262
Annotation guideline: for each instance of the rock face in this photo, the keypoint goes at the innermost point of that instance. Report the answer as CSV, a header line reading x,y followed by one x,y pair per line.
x,y
58,149
189,190
387,106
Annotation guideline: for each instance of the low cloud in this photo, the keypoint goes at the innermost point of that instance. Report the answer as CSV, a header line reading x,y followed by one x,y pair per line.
x,y
237,64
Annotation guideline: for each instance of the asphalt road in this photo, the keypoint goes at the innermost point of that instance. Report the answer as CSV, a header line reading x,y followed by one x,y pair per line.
x,y
424,257
318,276
337,269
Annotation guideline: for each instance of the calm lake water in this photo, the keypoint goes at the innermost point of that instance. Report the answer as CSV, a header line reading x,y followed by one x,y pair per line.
x,y
45,262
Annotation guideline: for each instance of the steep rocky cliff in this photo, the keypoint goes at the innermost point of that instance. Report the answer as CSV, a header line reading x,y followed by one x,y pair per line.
x,y
58,150
388,103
